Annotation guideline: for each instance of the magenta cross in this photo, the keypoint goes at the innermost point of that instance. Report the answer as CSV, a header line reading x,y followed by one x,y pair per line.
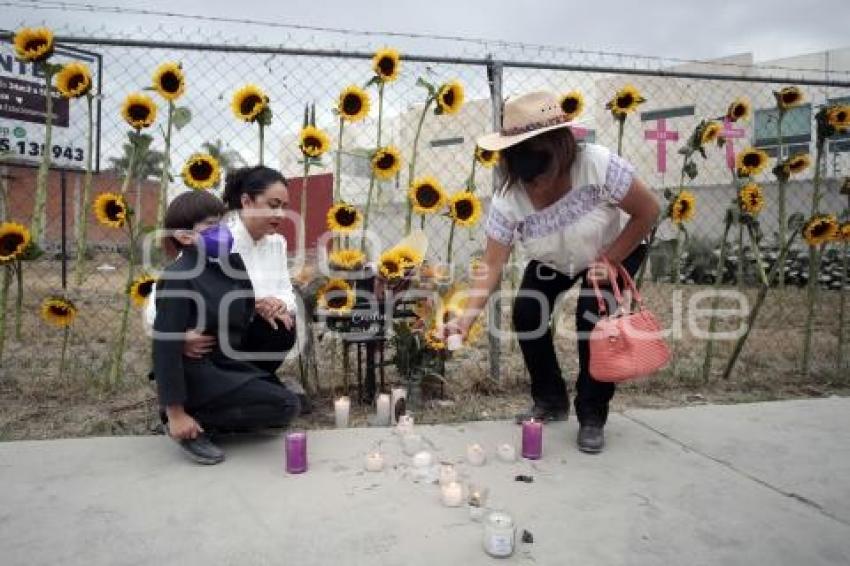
x,y
578,132
730,132
661,135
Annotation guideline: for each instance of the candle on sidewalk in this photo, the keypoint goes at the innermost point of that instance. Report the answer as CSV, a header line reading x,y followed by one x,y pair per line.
x,y
383,409
374,461
532,439
476,455
342,406
448,474
452,494
295,444
405,425
506,452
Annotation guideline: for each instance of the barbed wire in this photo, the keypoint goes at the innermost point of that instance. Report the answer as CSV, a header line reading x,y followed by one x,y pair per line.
x,y
486,43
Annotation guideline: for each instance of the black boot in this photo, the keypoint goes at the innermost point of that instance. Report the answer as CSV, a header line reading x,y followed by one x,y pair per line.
x,y
591,438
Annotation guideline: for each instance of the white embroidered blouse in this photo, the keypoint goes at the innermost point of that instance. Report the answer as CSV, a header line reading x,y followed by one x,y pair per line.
x,y
568,234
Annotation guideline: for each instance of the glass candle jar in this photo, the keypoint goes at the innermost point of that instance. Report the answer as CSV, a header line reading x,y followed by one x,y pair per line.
x,y
499,534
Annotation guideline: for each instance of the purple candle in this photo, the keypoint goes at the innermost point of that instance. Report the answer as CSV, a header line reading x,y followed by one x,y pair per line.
x,y
295,444
532,439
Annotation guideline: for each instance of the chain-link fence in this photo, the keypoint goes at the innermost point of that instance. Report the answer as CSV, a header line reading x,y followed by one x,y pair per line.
x,y
677,99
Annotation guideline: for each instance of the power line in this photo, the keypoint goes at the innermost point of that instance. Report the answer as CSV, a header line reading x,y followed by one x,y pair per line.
x,y
483,42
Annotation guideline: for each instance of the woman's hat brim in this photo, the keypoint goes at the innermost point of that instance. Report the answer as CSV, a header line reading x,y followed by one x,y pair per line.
x,y
496,141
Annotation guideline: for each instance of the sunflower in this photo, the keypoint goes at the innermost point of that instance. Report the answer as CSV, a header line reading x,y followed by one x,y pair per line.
x,y
347,259
751,198
249,102
141,288
14,241
33,44
169,81
434,340
58,311
465,208
336,296
201,171
427,195
391,264
820,229
74,80
344,218
844,232
710,132
486,157
788,97
410,256
386,162
750,162
839,117
572,104
386,64
313,141
625,101
450,98
682,209
797,163
139,110
353,104
110,210
740,109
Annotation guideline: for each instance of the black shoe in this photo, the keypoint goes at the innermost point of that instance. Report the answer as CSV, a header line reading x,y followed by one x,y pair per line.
x,y
202,451
544,414
591,438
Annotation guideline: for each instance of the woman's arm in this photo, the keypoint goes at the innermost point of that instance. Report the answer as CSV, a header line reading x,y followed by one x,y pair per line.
x,y
495,257
643,207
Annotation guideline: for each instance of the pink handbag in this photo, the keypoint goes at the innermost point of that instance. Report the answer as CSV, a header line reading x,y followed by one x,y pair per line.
x,y
625,345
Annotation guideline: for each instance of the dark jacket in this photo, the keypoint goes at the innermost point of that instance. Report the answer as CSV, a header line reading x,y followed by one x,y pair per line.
x,y
183,302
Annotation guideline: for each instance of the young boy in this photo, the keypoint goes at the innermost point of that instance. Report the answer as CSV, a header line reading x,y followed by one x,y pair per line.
x,y
215,391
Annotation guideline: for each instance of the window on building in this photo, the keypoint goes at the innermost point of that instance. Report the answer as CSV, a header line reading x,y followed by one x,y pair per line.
x,y
443,142
355,163
839,143
796,130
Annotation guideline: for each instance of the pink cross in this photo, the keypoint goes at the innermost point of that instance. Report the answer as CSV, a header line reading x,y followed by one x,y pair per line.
x,y
730,132
578,132
661,135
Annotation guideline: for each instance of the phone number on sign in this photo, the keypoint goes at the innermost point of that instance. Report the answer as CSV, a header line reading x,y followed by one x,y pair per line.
x,y
35,149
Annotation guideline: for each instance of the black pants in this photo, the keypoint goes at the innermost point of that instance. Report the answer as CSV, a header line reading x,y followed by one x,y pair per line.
x,y
260,403
261,337
531,315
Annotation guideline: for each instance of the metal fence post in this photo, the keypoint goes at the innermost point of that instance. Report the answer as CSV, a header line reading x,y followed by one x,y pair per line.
x,y
494,80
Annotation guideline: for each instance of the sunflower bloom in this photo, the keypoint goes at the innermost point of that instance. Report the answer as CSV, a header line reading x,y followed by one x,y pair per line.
x,y
201,171
58,311
410,256
169,81
465,208
820,229
839,117
336,296
344,218
710,133
74,80
751,198
844,232
683,208
797,163
249,102
485,157
450,98
625,101
353,104
434,340
313,141
33,44
14,241
347,259
386,64
572,104
139,110
386,162
391,265
141,289
427,195
750,162
110,210
788,97
740,109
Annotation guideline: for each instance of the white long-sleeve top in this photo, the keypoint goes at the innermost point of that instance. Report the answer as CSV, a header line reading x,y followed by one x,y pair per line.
x,y
265,262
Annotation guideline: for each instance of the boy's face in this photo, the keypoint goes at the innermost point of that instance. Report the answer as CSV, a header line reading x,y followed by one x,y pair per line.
x,y
191,237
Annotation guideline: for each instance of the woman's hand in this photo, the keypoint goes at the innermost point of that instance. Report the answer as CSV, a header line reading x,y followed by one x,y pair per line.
x,y
599,272
196,345
273,310
181,425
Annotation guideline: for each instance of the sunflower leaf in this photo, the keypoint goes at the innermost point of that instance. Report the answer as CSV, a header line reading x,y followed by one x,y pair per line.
x,y
432,90
181,117
691,170
373,81
265,117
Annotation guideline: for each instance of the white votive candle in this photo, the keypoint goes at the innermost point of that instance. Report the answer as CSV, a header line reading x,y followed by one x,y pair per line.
x,y
476,455
448,474
383,409
342,406
452,494
422,460
374,462
506,452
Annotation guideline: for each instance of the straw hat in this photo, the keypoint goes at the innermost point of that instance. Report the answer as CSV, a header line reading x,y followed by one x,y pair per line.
x,y
525,117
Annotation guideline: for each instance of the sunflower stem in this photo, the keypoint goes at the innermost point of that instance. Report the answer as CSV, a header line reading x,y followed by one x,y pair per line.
x,y
117,370
451,241
82,234
740,254
5,283
620,126
65,332
40,199
302,233
337,179
372,176
19,299
715,302
470,182
757,254
262,141
842,304
783,215
166,169
131,165
814,265
411,171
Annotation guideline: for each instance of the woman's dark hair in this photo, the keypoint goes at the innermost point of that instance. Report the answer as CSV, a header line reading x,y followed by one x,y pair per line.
x,y
560,143
186,210
251,181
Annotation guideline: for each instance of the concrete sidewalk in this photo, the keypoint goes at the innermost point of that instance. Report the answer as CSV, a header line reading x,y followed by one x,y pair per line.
x,y
760,484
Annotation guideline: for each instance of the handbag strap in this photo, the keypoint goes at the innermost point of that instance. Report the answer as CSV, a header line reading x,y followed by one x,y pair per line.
x,y
615,287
